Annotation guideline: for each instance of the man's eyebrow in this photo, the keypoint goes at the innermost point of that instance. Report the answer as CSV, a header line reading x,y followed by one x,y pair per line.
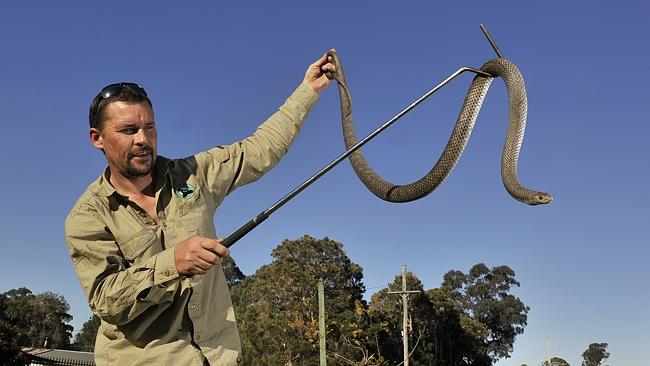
x,y
126,125
130,124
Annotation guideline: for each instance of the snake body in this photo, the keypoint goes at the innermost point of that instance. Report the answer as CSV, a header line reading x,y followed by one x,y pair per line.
x,y
457,141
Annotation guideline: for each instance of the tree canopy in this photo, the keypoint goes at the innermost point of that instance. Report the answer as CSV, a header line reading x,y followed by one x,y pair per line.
x,y
278,306
556,361
421,320
489,315
595,354
42,320
10,353
471,319
85,339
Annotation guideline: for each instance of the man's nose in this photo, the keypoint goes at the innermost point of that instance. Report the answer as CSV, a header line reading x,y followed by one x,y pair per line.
x,y
141,138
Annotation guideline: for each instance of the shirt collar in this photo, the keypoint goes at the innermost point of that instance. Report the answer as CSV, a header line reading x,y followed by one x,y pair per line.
x,y
161,168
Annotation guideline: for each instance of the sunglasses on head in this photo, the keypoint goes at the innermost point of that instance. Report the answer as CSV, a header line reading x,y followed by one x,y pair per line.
x,y
114,89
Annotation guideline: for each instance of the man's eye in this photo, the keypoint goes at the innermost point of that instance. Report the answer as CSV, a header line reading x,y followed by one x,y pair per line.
x,y
129,130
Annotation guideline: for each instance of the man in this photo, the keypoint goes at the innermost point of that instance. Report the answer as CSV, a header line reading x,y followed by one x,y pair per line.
x,y
142,236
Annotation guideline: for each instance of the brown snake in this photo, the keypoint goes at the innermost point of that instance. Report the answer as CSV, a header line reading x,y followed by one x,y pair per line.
x,y
457,141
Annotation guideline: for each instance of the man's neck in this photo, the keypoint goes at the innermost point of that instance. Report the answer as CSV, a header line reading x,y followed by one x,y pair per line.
x,y
132,186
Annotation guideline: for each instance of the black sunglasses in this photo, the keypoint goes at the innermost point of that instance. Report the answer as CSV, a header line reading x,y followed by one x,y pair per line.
x,y
114,89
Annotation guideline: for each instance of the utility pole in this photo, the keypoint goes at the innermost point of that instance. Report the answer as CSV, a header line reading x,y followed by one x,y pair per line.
x,y
321,322
405,314
548,351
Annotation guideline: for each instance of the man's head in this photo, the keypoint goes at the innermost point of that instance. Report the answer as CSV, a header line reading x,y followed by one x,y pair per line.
x,y
122,125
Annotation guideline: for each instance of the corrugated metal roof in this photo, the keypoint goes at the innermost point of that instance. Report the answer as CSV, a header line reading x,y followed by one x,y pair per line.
x,y
60,354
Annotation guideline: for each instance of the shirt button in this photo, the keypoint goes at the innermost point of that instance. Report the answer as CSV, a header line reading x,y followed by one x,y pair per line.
x,y
192,307
198,337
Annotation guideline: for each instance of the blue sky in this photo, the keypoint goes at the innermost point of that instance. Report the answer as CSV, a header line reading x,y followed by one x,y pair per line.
x,y
216,70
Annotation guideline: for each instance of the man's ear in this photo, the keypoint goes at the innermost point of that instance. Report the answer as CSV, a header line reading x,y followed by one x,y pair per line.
x,y
96,138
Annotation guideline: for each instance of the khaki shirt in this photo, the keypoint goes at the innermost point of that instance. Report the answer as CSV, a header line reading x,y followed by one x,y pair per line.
x,y
125,261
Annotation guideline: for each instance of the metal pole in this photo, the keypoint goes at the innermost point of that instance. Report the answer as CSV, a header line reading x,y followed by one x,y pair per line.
x,y
321,323
491,40
250,225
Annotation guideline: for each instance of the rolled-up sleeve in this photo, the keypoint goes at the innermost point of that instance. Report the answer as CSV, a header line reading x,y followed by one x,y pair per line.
x,y
116,291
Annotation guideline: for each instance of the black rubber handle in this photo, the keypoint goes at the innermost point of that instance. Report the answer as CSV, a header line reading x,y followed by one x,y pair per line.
x,y
245,229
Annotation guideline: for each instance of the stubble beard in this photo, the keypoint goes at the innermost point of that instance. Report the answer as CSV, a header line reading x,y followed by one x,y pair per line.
x,y
139,170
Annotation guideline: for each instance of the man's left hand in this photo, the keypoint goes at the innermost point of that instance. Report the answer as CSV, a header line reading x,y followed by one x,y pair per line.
x,y
315,76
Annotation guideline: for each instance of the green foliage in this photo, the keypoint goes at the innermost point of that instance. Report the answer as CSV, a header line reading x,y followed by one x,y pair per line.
x,y
277,308
453,343
556,361
85,339
595,354
421,314
10,353
489,315
472,319
39,318
234,275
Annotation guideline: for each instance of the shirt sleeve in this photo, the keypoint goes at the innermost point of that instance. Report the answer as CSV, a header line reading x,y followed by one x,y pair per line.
x,y
116,291
228,167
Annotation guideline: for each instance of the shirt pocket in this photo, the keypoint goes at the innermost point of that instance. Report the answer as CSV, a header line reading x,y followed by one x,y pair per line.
x,y
194,213
139,246
190,206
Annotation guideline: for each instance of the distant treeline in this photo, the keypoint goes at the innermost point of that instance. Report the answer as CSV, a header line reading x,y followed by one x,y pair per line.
x,y
472,318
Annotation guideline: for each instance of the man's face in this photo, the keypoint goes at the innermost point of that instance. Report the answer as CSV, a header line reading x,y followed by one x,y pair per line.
x,y
128,137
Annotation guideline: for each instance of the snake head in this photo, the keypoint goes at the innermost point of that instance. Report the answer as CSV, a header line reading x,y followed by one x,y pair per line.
x,y
539,198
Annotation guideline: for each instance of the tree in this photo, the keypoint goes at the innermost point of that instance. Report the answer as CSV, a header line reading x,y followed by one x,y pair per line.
x,y
277,307
421,316
556,361
41,319
488,312
85,339
455,336
234,275
471,319
10,353
595,354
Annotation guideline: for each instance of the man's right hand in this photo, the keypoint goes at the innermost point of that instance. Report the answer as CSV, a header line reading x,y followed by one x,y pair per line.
x,y
196,255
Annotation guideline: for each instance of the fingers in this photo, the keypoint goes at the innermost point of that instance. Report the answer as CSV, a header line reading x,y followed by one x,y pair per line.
x,y
320,72
196,255
201,266
215,246
328,67
208,257
321,61
324,63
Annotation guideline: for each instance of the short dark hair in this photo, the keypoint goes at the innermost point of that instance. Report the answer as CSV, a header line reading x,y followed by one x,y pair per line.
x,y
123,92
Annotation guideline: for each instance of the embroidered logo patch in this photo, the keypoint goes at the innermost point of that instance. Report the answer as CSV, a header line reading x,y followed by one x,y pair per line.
x,y
185,191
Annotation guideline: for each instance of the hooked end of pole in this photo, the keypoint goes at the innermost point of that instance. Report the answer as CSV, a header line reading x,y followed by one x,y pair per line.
x,y
491,40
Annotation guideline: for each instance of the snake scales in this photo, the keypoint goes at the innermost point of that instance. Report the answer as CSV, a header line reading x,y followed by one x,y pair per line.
x,y
457,141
